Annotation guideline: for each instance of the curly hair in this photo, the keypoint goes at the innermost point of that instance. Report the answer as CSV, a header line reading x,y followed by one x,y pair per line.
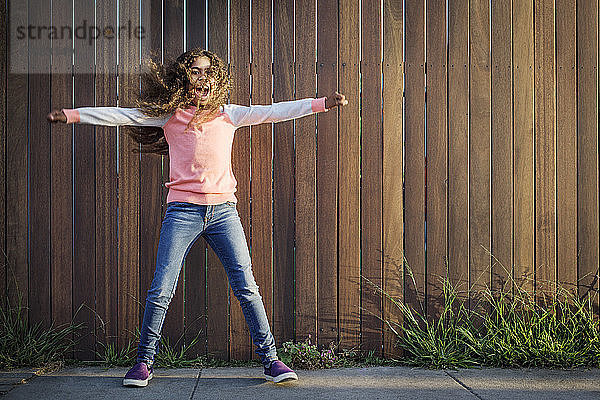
x,y
165,88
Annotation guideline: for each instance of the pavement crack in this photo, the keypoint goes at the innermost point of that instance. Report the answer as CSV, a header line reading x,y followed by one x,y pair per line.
x,y
14,383
463,385
196,385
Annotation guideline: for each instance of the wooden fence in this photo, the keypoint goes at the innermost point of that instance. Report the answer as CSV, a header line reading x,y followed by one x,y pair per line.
x,y
501,96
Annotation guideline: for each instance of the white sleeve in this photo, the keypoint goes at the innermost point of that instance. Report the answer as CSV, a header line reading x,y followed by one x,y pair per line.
x,y
276,112
112,116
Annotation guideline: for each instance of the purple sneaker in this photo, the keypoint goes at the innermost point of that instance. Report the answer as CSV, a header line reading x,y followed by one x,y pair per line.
x,y
279,372
138,375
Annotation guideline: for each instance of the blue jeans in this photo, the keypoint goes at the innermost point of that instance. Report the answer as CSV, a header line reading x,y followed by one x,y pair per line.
x,y
220,225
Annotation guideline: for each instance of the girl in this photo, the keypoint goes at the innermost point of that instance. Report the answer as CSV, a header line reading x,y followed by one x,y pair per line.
x,y
183,113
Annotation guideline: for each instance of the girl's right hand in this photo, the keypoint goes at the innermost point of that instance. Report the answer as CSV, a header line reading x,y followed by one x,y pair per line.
x,y
57,116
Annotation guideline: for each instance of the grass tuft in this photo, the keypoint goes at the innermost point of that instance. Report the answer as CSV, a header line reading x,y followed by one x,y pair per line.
x,y
504,328
31,345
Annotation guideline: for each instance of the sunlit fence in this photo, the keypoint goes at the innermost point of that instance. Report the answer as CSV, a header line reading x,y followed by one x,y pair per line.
x,y
501,99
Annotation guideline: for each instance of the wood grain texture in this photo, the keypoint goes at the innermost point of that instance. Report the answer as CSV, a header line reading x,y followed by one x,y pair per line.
x,y
587,149
283,175
107,278
84,256
240,346
393,170
150,165
195,12
414,169
61,200
17,136
566,144
129,182
436,150
327,176
261,156
39,171
349,223
3,117
507,135
523,244
173,47
371,174
195,288
458,140
545,182
502,174
479,150
217,297
306,177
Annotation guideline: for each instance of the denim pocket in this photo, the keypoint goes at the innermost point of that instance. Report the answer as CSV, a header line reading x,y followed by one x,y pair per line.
x,y
231,204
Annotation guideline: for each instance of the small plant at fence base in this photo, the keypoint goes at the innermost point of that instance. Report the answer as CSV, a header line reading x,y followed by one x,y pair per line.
x,y
556,331
306,355
166,357
438,343
516,329
31,345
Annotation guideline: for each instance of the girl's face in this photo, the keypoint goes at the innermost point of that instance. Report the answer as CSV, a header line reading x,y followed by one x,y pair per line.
x,y
201,82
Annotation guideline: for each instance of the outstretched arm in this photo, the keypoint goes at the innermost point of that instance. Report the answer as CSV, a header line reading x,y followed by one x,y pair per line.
x,y
281,111
106,116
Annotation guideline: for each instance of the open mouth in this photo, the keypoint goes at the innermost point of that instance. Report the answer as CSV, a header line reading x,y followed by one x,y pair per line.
x,y
203,91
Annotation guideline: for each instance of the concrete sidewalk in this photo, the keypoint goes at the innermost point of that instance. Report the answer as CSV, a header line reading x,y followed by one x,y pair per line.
x,y
351,383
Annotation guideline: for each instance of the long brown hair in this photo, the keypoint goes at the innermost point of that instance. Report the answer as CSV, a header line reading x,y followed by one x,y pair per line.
x,y
165,89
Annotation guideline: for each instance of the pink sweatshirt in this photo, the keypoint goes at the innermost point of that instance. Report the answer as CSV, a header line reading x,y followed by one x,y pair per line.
x,y
200,156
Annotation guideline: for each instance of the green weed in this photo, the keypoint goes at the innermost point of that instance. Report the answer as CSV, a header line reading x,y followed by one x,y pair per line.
x,y
31,345
306,355
168,355
510,327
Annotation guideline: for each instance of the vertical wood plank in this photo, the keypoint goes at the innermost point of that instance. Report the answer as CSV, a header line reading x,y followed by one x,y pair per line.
x,y
393,167
195,317
39,169
458,131
545,202
173,47
283,174
150,164
3,119
566,144
306,178
195,35
84,193
523,244
17,137
217,287
502,174
414,181
61,174
261,145
240,344
107,241
371,173
129,183
587,148
327,175
349,178
479,150
436,149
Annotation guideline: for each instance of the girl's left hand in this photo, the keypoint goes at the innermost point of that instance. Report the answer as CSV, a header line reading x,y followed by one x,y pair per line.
x,y
336,99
